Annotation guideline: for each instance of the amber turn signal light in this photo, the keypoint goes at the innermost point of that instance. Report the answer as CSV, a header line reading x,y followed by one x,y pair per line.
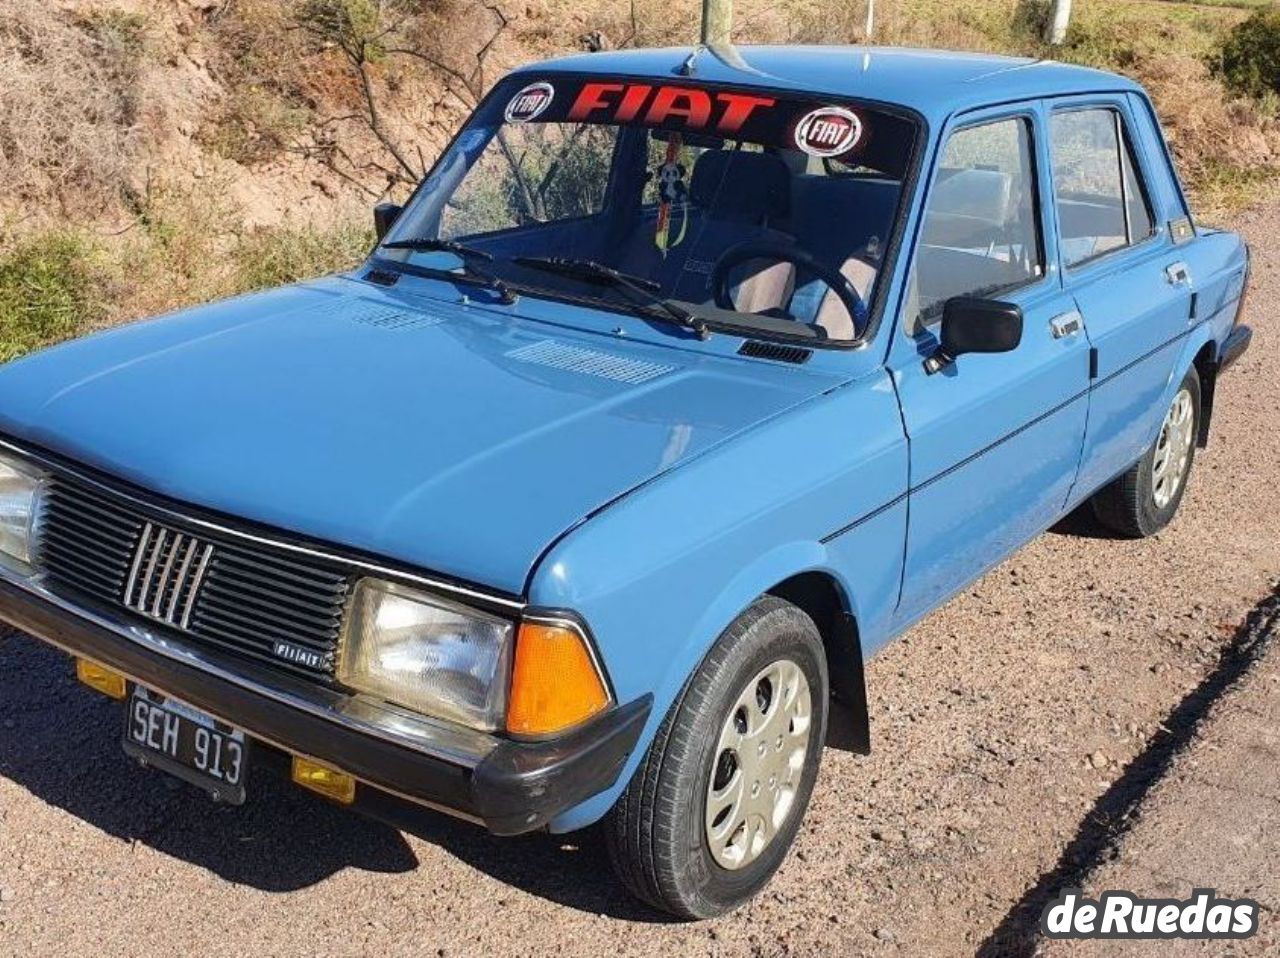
x,y
100,678
323,780
554,684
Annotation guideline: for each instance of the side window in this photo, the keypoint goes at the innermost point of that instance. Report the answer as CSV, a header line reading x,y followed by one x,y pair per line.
x,y
1101,202
981,231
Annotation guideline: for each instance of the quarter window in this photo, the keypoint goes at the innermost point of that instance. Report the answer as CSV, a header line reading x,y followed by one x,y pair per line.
x,y
1101,202
981,232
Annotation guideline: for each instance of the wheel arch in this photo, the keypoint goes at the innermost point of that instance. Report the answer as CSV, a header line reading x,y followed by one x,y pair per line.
x,y
821,596
1199,352
1205,363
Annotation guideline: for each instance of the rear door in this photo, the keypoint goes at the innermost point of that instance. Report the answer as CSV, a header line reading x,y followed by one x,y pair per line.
x,y
1124,271
994,439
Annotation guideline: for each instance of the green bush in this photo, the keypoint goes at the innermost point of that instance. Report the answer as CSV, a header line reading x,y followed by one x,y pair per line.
x,y
50,289
287,254
1250,58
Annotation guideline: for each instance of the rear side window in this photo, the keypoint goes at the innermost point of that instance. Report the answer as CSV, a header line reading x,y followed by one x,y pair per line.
x,y
1102,204
981,232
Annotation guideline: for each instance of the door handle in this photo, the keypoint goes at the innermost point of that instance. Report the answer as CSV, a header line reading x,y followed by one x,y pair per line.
x,y
1068,324
1178,274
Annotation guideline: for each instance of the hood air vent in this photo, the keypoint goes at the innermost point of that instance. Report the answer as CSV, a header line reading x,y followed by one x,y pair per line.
x,y
796,355
589,362
371,313
391,318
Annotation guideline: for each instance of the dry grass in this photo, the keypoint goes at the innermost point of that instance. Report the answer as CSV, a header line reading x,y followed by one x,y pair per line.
x,y
190,247
68,104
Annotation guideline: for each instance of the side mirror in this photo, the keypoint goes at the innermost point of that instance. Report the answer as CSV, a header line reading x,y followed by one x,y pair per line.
x,y
971,325
384,217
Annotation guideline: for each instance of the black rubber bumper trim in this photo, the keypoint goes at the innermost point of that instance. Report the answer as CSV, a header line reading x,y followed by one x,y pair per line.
x,y
1234,346
518,787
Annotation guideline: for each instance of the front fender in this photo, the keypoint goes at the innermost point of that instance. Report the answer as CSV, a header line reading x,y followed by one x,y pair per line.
x,y
658,575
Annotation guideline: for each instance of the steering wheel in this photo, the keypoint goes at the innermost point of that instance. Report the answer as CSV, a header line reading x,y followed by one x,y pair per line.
x,y
776,251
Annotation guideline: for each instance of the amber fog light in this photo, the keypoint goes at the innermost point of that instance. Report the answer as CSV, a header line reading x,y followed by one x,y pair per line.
x,y
332,784
101,678
555,684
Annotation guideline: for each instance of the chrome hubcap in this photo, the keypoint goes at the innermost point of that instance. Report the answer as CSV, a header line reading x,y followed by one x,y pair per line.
x,y
1173,450
760,758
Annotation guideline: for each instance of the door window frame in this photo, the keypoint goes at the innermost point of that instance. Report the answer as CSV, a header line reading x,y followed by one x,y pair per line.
x,y
1117,106
1031,112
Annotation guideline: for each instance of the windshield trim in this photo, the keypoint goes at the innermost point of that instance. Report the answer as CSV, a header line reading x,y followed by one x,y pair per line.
x,y
892,248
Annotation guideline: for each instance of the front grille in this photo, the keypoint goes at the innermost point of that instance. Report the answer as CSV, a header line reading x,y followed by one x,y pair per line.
x,y
240,597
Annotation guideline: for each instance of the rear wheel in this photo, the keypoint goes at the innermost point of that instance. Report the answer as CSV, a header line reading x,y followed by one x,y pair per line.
x,y
716,803
1144,500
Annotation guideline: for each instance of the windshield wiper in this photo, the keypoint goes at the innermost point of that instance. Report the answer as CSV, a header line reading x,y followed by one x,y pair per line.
x,y
592,272
469,256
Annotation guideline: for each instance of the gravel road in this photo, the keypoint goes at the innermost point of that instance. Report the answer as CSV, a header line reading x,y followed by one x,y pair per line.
x,y
1092,712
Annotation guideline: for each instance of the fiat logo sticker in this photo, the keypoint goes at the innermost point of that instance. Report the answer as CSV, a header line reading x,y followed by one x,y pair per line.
x,y
530,102
828,131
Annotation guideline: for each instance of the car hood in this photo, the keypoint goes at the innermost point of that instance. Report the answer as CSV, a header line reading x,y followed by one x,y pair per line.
x,y
441,435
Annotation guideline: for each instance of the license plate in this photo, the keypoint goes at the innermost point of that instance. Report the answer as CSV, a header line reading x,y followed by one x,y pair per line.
x,y
188,744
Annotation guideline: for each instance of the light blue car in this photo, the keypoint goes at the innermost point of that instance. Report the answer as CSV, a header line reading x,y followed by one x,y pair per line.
x,y
680,386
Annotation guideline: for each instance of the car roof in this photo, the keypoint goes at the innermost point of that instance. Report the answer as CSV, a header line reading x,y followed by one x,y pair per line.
x,y
935,83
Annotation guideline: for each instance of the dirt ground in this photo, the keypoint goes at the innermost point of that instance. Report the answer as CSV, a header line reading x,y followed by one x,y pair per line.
x,y
1093,713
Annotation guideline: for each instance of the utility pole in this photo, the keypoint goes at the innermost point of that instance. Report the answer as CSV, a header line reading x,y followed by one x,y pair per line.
x,y
1058,22
717,23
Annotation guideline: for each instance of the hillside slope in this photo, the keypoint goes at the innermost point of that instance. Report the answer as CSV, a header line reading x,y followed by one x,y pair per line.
x,y
160,152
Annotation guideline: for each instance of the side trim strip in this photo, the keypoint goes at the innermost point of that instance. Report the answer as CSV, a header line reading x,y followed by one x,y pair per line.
x,y
866,518
1001,441
1005,438
1144,357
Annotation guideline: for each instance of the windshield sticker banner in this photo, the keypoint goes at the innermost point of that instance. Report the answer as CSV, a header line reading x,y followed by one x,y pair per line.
x,y
719,112
828,131
530,102
708,116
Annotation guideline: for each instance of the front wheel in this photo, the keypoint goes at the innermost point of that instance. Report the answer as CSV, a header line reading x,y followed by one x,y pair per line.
x,y
714,807
1143,501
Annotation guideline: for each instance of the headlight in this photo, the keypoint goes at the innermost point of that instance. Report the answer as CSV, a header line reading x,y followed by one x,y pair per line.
x,y
21,488
427,654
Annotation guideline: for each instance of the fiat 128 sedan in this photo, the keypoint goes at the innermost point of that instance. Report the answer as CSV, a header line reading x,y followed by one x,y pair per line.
x,y
680,385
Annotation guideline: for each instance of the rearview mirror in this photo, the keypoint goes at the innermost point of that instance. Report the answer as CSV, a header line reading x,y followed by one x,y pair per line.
x,y
971,325
384,217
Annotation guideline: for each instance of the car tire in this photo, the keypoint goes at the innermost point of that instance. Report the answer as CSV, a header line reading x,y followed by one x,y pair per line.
x,y
743,740
1143,501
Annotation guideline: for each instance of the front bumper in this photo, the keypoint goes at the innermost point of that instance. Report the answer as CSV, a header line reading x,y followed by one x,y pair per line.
x,y
510,787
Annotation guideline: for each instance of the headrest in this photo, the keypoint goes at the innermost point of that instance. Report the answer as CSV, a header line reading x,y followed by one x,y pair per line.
x,y
732,184
984,194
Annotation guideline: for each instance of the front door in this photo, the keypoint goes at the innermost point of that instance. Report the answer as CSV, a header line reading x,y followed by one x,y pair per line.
x,y
995,439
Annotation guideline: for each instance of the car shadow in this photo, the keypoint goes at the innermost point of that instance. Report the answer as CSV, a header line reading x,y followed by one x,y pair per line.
x,y
61,742
1081,523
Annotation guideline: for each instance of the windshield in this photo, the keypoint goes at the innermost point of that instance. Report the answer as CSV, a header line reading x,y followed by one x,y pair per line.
x,y
748,208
